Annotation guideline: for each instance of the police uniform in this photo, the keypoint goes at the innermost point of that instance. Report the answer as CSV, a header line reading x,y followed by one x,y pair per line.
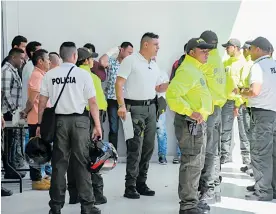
x,y
214,73
232,68
263,125
244,117
187,93
97,180
141,77
72,136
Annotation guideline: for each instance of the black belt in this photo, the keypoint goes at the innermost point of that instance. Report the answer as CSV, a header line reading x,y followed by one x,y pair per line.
x,y
140,102
259,109
85,113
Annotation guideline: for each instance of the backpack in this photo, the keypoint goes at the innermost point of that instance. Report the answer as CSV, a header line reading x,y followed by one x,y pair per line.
x,y
175,66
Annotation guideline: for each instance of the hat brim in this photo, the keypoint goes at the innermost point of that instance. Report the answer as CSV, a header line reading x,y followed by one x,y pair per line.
x,y
94,55
205,46
226,45
245,46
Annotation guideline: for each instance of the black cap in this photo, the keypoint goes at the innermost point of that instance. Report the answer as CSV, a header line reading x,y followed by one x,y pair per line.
x,y
262,43
246,44
232,42
209,37
198,43
85,53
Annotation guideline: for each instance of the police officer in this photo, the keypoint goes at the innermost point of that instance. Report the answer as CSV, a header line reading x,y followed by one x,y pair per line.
x,y
140,77
243,111
86,61
214,73
232,67
72,128
262,100
188,95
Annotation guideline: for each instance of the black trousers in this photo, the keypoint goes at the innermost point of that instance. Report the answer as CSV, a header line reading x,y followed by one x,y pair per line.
x,y
35,172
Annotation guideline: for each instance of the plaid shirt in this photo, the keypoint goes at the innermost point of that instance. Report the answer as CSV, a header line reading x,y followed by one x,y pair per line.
x,y
11,89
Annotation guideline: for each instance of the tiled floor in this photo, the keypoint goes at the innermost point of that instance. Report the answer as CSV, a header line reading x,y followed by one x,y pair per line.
x,y
163,179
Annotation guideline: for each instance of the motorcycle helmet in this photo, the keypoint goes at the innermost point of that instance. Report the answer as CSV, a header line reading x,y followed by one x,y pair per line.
x,y
103,157
38,151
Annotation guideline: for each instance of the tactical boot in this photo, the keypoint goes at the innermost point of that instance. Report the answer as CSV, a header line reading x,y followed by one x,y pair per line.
x,y
192,211
143,189
99,197
131,192
94,210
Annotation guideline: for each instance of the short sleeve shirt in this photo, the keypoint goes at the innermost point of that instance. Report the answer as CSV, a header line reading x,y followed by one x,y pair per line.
x,y
78,90
141,77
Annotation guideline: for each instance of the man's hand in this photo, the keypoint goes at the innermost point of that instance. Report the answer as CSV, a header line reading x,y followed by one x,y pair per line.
x,y
235,91
122,112
197,116
97,133
38,132
2,122
236,112
23,114
162,87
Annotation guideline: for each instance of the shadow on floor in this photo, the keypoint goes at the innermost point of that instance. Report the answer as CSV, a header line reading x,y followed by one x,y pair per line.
x,y
233,191
228,175
220,210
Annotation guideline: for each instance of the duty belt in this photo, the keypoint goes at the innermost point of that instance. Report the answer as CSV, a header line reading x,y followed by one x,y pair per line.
x,y
140,102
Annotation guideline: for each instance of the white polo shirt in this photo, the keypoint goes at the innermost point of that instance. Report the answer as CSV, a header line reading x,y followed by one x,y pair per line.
x,y
26,75
263,71
78,89
141,77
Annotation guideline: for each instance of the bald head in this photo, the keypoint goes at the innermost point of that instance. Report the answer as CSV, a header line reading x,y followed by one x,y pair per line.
x,y
54,59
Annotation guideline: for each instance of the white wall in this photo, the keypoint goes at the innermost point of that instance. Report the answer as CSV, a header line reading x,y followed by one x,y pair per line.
x,y
107,24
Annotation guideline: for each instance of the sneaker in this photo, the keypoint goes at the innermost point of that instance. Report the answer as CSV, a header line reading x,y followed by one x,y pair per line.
x,y
176,160
40,185
162,160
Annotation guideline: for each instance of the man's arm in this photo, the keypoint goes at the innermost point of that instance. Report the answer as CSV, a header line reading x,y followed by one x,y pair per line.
x,y
41,106
120,81
162,87
30,102
94,111
104,59
6,78
255,81
253,91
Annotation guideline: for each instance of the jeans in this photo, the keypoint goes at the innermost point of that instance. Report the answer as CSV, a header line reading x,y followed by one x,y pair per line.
x,y
162,135
113,120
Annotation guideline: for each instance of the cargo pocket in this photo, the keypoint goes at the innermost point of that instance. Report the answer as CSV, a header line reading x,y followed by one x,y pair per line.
x,y
138,127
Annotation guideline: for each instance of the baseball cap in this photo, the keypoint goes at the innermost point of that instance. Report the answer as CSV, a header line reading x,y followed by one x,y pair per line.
x,y
198,43
209,37
246,44
92,47
232,42
85,53
262,43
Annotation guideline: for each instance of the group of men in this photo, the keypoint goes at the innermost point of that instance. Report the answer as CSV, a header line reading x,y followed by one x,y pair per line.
x,y
205,94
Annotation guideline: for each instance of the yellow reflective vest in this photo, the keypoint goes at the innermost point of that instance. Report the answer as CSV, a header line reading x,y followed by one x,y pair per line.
x,y
214,73
233,67
188,91
100,97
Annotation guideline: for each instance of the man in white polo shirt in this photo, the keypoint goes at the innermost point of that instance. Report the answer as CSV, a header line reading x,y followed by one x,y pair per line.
x,y
262,100
140,77
72,127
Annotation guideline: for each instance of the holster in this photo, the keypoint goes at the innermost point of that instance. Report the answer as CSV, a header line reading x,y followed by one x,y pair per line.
x,y
161,106
192,125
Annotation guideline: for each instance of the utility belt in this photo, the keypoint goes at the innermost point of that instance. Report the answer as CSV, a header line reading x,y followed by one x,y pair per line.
x,y
259,109
85,113
140,102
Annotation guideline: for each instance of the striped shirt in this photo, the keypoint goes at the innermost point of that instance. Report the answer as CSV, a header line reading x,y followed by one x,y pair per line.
x,y
11,89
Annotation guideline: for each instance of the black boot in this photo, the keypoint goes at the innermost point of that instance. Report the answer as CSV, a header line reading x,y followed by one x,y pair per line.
x,y
143,189
5,192
131,192
99,197
73,197
191,211
56,212
93,210
251,188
